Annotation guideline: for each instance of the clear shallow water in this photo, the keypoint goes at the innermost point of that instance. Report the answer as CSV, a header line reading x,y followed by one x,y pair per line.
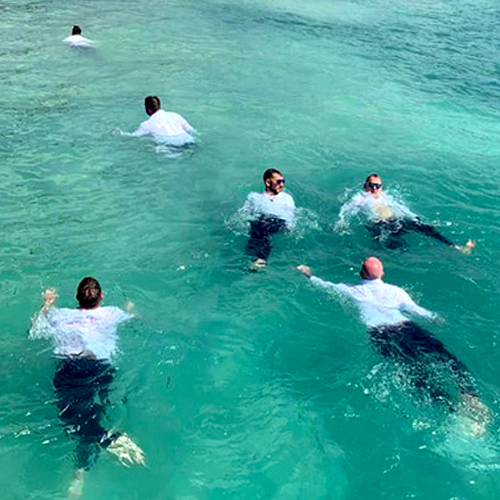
x,y
240,385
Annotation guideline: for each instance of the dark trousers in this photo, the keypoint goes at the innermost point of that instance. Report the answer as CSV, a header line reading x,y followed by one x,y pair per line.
x,y
77,384
391,232
259,239
426,359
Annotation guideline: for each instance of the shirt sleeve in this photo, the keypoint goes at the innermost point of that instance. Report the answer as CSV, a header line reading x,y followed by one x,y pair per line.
x,y
120,316
142,130
409,306
332,287
348,210
187,127
249,206
41,325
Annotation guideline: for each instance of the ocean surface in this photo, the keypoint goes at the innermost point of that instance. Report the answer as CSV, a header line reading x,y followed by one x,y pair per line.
x,y
244,385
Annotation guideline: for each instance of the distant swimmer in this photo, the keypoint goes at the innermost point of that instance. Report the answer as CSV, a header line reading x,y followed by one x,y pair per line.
x,y
84,342
270,212
166,127
388,219
77,40
384,310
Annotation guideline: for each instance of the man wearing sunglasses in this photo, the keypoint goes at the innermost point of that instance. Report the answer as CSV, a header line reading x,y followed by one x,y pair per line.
x,y
388,219
270,212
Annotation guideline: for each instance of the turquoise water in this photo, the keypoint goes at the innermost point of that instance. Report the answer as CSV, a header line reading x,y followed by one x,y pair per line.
x,y
238,385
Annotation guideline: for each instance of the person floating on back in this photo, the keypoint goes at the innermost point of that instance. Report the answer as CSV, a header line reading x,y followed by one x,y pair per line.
x,y
77,40
166,127
270,212
384,310
388,219
84,342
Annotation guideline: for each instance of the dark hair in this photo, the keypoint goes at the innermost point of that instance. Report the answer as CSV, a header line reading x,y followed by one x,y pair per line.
x,y
89,293
152,103
367,181
268,174
76,30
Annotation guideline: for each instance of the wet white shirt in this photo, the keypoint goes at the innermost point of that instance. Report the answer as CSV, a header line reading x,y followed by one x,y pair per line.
x,y
74,331
379,303
281,206
78,41
166,126
374,209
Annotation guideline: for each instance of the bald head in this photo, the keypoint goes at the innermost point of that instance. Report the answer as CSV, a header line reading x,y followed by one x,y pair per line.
x,y
372,269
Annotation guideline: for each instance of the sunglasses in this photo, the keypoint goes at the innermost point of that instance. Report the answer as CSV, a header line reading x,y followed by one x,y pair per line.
x,y
374,185
280,181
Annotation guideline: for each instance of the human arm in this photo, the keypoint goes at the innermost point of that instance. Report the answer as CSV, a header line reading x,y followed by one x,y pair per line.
x,y
408,305
348,210
327,285
187,127
40,326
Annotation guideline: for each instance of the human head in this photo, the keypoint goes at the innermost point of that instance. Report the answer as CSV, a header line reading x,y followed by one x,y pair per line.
x,y
274,181
372,269
89,293
76,30
152,104
373,184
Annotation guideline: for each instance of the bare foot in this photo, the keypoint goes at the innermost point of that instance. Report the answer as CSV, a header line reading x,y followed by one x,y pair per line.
x,y
75,489
257,264
467,248
127,452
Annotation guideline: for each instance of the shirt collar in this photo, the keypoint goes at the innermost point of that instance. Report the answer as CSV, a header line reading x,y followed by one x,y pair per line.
x,y
372,282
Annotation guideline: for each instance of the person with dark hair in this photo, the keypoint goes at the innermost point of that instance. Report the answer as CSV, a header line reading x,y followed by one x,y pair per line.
x,y
270,212
166,127
384,310
77,40
388,219
84,342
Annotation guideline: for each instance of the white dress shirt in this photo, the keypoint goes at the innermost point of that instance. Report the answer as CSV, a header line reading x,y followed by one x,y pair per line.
x,y
374,209
280,206
79,41
74,331
379,303
167,127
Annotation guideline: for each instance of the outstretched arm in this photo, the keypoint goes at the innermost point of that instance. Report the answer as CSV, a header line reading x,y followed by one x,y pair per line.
x,y
327,285
408,305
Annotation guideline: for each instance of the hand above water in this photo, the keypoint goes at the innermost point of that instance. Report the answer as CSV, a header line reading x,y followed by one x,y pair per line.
x,y
305,270
49,295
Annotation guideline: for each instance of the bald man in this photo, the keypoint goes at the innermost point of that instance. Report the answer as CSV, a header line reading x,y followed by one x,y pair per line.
x,y
384,310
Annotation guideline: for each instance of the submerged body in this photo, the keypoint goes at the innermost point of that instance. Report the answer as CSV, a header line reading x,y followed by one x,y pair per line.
x,y
167,128
385,310
269,212
84,342
388,219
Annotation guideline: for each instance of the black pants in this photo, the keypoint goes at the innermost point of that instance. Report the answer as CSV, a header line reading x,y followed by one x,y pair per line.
x,y
77,383
259,239
426,359
391,232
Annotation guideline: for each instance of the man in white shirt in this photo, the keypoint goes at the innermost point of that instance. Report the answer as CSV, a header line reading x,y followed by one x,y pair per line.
x,y
388,219
84,341
77,40
384,310
166,127
270,212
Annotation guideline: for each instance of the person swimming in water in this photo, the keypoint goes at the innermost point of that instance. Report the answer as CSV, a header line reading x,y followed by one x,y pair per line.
x,y
77,40
384,309
388,219
270,212
84,342
166,127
